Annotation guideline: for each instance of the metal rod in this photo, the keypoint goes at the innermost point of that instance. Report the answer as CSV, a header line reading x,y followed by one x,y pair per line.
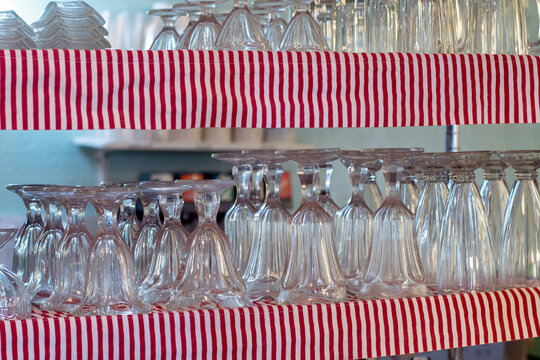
x,y
452,138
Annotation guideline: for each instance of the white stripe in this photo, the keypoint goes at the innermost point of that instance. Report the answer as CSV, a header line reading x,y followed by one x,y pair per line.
x,y
326,331
354,306
335,114
136,96
520,315
493,91
374,336
326,89
510,313
258,325
361,85
277,89
136,340
497,317
198,333
530,331
314,73
63,338
346,330
153,320
62,89
147,339
106,334
258,88
285,89
73,332
228,93
18,70
127,332
73,117
383,331
317,332
41,337
249,331
363,335
502,78
422,304
527,79
463,322
468,100
443,110
228,332
297,334
30,92
487,315
390,85
84,339
432,120
381,99
334,334
400,348
475,300
178,336
219,336
536,88
127,88
217,82
306,74
105,89
167,334
478,86
95,90
20,341
178,89
447,324
469,321
267,320
296,94
533,302
9,348
208,331
399,74
416,100
518,84
505,316
41,90
279,345
148,73
93,330
451,69
239,341
52,97
307,330
240,92
352,94
115,89
207,80
343,95
190,123
390,330
485,98
426,89
168,82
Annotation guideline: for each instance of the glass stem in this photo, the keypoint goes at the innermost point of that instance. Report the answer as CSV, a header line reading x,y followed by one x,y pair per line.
x,y
169,21
242,175
309,176
33,211
172,205
358,176
75,213
207,206
55,215
106,219
392,177
151,208
272,175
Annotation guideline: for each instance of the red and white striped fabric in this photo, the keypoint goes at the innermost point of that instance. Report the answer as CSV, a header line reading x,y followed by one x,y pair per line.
x,y
355,329
104,89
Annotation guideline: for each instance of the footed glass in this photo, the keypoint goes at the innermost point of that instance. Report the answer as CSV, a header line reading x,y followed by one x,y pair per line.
x,y
429,213
312,273
394,268
466,260
408,190
41,283
271,233
128,224
256,194
28,234
171,246
203,34
372,193
110,283
239,218
303,32
353,222
494,193
277,25
520,247
14,298
192,11
146,239
210,278
168,38
325,199
71,253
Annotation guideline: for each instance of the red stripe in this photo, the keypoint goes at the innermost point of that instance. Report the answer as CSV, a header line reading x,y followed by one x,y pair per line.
x,y
470,318
402,75
203,340
534,87
386,312
172,85
78,89
448,321
56,91
67,95
273,97
515,88
100,72
243,334
522,307
303,331
13,94
35,91
184,56
534,305
111,86
234,97
507,89
510,314
234,336
3,85
498,304
261,56
183,341
348,90
439,91
214,95
161,83
405,305
14,338
350,336
320,88
204,99
300,92
141,100
281,94
110,333
243,68
308,74
89,92
356,90
47,89
483,319
393,88
252,91
464,75
337,93
47,340
225,103
3,339
131,88
330,92
421,116
153,89
121,88
24,90
25,340
322,334
367,330
36,334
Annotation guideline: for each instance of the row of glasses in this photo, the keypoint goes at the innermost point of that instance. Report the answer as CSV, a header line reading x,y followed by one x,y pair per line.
x,y
14,32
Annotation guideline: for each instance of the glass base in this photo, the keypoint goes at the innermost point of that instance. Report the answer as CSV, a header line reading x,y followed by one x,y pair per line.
x,y
156,296
41,296
354,285
208,299
313,295
66,303
241,31
303,34
14,299
263,289
381,290
114,308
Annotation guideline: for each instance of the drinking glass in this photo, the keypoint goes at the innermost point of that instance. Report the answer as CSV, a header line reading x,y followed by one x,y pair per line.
x,y
303,32
466,260
312,272
170,249
71,253
128,224
520,247
372,193
14,298
110,283
429,213
494,193
146,239
277,25
192,11
325,199
408,190
168,38
271,233
14,32
241,31
203,34
41,282
256,195
28,234
239,218
353,222
325,14
262,15
352,32
482,27
384,25
394,268
210,278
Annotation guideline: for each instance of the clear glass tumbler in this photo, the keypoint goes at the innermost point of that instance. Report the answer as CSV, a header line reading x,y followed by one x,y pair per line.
x,y
352,32
520,247
384,25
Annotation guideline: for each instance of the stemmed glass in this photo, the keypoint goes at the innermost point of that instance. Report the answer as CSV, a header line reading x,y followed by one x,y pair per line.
x,y
110,283
520,247
256,195
168,38
353,222
394,268
271,233
203,34
14,298
171,244
429,213
41,282
241,31
146,239
239,218
325,199
192,11
303,32
372,193
210,278
312,272
28,234
466,260
276,27
408,189
128,224
71,253
494,193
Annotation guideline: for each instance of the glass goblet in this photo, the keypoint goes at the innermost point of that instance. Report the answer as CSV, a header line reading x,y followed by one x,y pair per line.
x,y
114,291
275,28
372,194
409,191
303,32
71,253
262,15
146,239
271,233
14,298
28,234
312,273
325,199
466,260
41,283
203,34
394,268
256,194
192,11
210,278
168,38
520,246
239,218
494,193
353,222
171,244
128,224
241,31
429,213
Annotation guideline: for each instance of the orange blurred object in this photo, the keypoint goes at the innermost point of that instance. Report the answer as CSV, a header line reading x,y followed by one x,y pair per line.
x,y
190,195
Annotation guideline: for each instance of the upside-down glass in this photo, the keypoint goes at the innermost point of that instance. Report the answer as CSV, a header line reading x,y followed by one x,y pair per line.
x,y
203,34
312,273
168,38
146,238
71,253
383,25
429,213
128,224
192,11
41,283
271,233
372,193
394,268
303,32
239,218
325,199
110,282
210,278
352,33
325,14
353,222
276,27
256,194
171,244
520,248
241,31
26,237
408,189
14,298
494,193
466,260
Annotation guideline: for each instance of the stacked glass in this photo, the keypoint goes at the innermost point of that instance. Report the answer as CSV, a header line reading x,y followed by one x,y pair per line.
x,y
14,32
